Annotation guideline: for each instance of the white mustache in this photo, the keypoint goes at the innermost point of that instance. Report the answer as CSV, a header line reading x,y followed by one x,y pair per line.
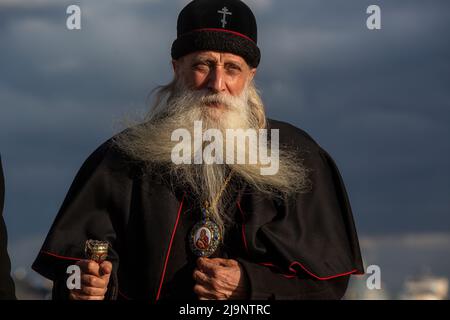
x,y
216,99
205,98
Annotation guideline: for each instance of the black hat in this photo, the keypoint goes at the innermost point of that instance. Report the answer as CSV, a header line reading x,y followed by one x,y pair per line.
x,y
217,25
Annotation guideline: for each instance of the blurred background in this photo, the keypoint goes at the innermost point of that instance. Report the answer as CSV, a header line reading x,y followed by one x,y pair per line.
x,y
377,100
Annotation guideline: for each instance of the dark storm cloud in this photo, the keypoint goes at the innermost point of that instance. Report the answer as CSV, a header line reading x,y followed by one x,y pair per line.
x,y
376,100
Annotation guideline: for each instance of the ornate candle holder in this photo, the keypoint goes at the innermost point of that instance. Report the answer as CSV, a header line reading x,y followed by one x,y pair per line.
x,y
96,250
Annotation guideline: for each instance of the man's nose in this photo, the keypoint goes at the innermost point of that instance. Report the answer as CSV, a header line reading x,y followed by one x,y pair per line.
x,y
216,81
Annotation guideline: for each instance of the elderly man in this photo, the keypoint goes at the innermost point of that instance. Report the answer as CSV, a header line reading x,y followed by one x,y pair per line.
x,y
207,229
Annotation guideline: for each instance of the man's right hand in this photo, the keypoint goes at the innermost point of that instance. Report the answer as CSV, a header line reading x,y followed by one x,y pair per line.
x,y
94,280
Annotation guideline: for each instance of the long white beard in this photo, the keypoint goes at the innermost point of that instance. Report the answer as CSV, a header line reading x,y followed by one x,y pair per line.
x,y
151,143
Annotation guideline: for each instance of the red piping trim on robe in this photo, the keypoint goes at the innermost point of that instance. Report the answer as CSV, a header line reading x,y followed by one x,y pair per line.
x,y
76,259
124,296
224,30
294,272
163,274
268,264
60,257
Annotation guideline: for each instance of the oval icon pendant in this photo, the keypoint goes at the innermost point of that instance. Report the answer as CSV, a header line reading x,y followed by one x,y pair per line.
x,y
204,238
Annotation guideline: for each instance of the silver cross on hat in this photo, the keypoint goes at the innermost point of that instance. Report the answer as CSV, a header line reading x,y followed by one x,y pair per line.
x,y
224,13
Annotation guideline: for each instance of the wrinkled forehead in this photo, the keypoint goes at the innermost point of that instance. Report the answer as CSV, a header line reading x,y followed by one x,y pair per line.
x,y
216,56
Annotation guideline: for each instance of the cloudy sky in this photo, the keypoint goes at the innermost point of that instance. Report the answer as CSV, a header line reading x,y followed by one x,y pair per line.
x,y
377,101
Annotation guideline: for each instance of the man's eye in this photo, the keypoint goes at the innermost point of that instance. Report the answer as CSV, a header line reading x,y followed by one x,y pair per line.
x,y
201,66
234,71
233,68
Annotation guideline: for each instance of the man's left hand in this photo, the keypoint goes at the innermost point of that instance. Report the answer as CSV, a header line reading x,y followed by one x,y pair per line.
x,y
220,279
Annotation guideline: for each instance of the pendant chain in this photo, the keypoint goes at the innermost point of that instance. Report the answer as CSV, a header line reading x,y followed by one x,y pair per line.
x,y
216,199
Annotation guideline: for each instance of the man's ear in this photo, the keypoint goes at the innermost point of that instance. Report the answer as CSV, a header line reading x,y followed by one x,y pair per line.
x,y
175,66
253,73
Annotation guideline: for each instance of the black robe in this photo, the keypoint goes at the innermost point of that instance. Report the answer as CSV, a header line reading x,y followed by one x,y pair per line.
x,y
303,247
6,283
